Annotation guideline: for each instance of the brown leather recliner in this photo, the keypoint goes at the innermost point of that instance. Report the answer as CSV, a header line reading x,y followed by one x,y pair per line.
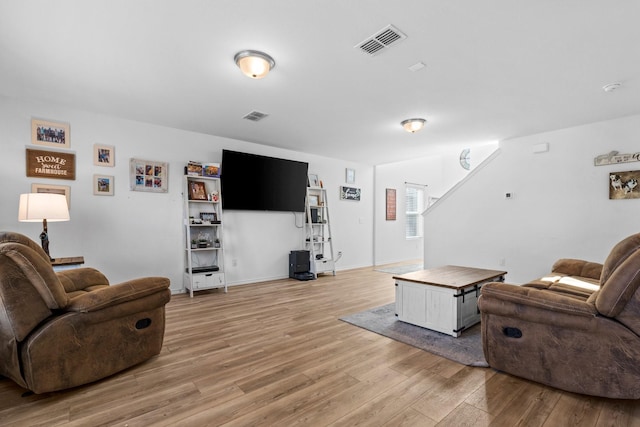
x,y
61,330
576,330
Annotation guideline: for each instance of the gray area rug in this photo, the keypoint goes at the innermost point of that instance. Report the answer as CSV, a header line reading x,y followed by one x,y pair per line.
x,y
466,349
402,269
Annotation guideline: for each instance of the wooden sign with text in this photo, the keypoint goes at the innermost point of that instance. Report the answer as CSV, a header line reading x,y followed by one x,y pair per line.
x,y
51,164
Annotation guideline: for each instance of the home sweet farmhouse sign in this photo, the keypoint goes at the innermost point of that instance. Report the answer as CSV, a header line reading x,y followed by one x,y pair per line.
x,y
51,164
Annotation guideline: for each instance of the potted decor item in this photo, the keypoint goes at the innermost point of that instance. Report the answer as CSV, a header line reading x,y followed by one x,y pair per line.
x,y
194,244
216,243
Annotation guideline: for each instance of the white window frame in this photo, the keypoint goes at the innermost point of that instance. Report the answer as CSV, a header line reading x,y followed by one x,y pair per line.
x,y
417,214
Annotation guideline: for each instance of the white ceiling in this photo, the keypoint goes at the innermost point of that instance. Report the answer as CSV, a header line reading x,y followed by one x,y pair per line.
x,y
495,69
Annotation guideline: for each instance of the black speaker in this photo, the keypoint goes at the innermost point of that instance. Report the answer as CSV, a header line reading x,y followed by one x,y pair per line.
x,y
299,262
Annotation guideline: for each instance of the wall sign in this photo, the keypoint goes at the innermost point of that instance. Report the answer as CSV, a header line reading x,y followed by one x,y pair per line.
x,y
613,158
349,193
51,164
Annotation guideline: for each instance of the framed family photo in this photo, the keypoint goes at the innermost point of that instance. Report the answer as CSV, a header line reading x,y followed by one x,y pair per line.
x,y
50,134
147,175
104,155
103,185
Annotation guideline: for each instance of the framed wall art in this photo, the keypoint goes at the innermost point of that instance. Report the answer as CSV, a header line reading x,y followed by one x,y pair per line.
x,y
350,176
349,193
147,175
50,134
103,185
53,189
624,185
104,155
51,164
390,204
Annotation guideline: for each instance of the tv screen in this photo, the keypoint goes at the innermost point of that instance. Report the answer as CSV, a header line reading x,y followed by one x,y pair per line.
x,y
261,183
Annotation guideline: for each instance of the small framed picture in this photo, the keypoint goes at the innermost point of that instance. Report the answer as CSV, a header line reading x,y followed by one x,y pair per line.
x,y
104,155
50,134
197,190
313,180
350,176
103,185
53,189
313,200
211,169
349,193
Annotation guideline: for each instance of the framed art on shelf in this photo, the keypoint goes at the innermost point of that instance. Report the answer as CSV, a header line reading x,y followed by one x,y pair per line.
x,y
104,155
313,180
146,175
103,185
197,190
53,189
50,134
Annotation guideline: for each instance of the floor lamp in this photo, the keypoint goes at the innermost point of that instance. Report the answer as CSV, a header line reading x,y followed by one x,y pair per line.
x,y
35,207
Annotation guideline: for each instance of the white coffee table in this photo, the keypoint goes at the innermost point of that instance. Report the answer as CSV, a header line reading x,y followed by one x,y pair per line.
x,y
443,299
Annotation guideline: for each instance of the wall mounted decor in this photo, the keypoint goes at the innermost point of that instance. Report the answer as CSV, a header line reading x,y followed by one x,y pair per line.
x,y
391,204
613,157
350,176
349,193
51,164
53,189
624,185
147,175
103,185
51,134
104,155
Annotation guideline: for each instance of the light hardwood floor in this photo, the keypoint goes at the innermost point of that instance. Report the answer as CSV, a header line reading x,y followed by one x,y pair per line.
x,y
275,354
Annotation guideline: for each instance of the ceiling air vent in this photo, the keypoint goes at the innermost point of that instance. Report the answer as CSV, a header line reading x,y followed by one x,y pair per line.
x,y
381,40
255,116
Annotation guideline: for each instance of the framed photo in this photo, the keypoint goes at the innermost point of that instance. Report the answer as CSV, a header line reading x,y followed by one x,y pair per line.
x,y
147,175
350,193
53,189
194,168
197,190
51,164
210,217
391,204
313,201
104,155
313,180
103,185
50,134
211,169
624,185
350,177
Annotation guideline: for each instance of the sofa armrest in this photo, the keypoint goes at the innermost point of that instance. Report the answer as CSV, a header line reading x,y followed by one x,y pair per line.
x,y
506,299
117,294
578,267
78,279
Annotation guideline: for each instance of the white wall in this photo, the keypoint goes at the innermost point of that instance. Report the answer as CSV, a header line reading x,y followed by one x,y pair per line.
x,y
439,173
560,208
134,234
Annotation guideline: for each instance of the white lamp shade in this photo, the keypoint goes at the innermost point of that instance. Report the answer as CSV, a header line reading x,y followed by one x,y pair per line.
x,y
34,207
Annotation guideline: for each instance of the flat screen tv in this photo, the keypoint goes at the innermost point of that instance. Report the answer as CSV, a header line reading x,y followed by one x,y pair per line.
x,y
261,183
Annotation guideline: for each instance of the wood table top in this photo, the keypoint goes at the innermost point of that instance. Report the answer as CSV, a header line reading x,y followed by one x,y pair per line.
x,y
451,276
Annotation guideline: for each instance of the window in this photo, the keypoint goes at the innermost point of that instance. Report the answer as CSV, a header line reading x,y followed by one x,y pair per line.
x,y
414,199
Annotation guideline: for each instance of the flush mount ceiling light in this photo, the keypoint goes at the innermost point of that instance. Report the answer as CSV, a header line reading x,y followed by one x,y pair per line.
x,y
254,64
611,87
413,125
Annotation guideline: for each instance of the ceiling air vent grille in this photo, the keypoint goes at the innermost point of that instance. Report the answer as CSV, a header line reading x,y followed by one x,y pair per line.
x,y
255,116
381,40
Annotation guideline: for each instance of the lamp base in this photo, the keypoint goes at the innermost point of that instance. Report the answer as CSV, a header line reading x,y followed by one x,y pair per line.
x,y
44,239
